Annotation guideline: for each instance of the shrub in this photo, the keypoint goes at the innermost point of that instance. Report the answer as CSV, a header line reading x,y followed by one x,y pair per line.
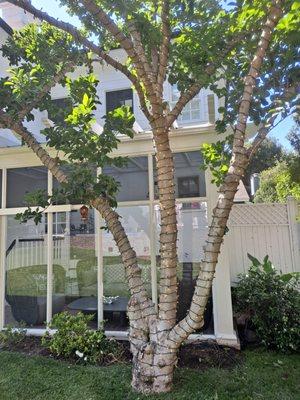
x,y
74,340
271,303
12,336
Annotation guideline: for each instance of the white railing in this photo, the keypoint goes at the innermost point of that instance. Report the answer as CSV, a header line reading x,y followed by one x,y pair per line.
x,y
28,252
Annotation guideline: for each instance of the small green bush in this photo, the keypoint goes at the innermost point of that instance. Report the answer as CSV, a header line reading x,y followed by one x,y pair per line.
x,y
271,303
11,336
74,340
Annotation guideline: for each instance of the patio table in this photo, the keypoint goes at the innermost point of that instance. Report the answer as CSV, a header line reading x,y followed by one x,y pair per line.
x,y
89,305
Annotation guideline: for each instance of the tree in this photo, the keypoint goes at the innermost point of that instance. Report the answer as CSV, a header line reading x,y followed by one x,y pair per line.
x,y
269,153
283,179
195,44
294,138
276,184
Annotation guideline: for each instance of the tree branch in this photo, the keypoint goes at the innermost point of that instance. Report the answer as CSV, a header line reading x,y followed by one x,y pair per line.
x,y
79,38
134,48
165,45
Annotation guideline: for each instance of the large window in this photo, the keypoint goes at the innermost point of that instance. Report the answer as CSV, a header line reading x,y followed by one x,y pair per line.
x,y
21,181
119,98
74,265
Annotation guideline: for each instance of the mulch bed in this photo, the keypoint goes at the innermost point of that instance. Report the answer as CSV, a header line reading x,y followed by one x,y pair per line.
x,y
204,355
196,355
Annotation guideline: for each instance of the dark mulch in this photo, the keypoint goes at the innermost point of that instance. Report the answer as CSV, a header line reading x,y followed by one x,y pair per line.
x,y
196,355
203,355
30,346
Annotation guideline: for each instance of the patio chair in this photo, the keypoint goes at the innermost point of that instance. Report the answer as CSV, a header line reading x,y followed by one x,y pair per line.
x,y
26,292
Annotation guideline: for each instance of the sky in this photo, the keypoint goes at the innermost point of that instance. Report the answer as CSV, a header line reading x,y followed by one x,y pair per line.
x,y
54,9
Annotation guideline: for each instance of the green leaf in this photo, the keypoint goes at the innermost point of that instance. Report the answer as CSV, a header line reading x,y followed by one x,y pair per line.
x,y
85,100
254,260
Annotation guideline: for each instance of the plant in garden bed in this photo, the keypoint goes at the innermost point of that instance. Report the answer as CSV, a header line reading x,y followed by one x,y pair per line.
x,y
73,340
12,336
270,302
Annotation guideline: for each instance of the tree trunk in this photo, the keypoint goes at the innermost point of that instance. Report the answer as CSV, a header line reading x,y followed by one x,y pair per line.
x,y
153,370
154,356
168,234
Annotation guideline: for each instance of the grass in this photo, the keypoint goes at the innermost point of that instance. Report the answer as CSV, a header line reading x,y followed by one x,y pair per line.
x,y
263,375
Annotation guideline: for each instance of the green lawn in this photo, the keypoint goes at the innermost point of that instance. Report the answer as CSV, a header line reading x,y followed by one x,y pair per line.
x,y
264,375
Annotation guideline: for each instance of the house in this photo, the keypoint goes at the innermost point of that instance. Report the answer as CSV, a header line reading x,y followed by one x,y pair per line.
x,y
67,262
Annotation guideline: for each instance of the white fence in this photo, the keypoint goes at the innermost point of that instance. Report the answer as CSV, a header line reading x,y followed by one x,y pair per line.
x,y
264,229
32,252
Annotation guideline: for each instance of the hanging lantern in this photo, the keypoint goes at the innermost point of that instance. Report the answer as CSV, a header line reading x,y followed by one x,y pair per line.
x,y
84,212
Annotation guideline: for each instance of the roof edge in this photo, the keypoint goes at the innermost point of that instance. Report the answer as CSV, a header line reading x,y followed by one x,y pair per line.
x,y
4,25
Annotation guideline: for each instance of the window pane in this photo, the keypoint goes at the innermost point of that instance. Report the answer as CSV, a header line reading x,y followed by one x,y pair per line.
x,y
136,223
189,178
195,104
74,264
192,227
26,273
195,114
21,181
119,98
133,179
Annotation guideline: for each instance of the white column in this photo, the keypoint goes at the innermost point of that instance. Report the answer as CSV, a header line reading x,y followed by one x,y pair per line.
x,y
99,252
3,224
49,266
3,233
49,250
221,291
294,229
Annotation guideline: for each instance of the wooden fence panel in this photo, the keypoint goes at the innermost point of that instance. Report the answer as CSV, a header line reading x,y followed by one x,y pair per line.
x,y
264,229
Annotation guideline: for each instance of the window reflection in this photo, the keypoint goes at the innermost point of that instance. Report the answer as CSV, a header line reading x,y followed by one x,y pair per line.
x,y
74,250
192,224
136,223
26,273
21,181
